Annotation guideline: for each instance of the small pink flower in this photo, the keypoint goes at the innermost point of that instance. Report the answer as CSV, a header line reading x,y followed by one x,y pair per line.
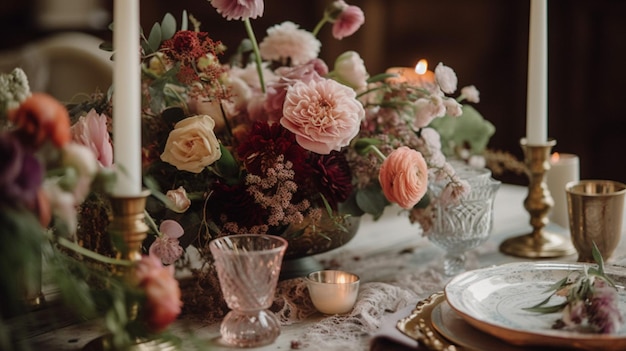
x,y
404,177
91,131
163,302
446,78
287,43
427,109
239,9
324,115
179,199
349,20
166,246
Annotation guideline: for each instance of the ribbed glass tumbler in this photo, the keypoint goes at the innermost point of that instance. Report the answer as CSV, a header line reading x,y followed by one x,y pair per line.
x,y
248,266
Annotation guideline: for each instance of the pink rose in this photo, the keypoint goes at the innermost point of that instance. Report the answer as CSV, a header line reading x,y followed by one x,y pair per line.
x,y
92,131
349,20
163,302
404,177
239,9
277,91
179,199
324,115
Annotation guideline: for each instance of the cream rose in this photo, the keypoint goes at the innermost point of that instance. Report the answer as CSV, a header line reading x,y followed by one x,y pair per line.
x,y
192,145
179,198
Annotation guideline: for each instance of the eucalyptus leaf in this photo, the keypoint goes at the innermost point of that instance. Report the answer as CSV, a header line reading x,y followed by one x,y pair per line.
x,y
372,200
155,37
546,309
168,27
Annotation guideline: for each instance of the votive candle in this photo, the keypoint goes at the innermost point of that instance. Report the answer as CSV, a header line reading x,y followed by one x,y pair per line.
x,y
126,98
333,292
418,76
564,168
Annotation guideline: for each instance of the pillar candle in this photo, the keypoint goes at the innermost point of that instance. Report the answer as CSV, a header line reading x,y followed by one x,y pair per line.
x,y
564,168
537,88
418,76
127,97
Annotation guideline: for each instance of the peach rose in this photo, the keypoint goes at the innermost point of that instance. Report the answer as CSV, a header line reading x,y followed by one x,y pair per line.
x,y
41,117
404,177
162,292
192,145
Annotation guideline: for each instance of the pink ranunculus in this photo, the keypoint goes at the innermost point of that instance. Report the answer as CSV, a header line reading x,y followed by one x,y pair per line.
x,y
324,115
91,130
239,9
163,304
427,109
348,21
166,246
404,177
350,70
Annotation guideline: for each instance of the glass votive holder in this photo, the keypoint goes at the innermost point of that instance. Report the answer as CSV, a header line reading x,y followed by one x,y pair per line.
x,y
333,292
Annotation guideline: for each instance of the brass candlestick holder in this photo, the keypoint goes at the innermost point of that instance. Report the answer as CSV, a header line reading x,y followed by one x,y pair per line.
x,y
539,243
128,229
127,226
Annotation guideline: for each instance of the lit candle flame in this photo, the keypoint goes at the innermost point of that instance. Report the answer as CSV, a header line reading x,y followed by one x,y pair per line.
x,y
421,67
555,157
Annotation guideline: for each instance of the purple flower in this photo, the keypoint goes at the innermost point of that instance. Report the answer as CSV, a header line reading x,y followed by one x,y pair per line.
x,y
21,173
603,309
239,9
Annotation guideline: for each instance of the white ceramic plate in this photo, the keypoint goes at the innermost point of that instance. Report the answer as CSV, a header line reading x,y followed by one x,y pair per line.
x,y
492,300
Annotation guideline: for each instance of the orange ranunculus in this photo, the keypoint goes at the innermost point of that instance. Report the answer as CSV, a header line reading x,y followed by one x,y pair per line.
x,y
404,177
41,117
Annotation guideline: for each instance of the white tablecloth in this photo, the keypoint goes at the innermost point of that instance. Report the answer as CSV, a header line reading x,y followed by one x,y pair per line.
x,y
387,251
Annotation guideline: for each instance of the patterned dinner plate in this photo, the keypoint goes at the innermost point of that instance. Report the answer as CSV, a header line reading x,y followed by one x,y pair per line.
x,y
492,300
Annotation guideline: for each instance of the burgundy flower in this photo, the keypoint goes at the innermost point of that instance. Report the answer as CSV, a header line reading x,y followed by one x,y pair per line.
x,y
333,175
236,203
267,141
21,173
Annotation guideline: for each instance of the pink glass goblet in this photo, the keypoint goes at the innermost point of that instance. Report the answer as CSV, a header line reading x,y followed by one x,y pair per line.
x,y
248,266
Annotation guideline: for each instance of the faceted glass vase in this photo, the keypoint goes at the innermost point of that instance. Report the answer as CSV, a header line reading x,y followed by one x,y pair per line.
x,y
460,227
248,267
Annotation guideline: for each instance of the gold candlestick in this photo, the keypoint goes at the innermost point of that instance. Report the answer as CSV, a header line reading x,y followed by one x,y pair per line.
x,y
127,225
539,243
128,229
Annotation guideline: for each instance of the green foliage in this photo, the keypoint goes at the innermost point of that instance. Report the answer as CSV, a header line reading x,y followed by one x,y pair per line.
x,y
470,129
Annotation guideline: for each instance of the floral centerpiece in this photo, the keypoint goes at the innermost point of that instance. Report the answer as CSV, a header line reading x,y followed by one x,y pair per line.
x,y
276,141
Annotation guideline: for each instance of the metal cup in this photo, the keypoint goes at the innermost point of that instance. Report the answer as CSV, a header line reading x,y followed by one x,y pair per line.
x,y
595,210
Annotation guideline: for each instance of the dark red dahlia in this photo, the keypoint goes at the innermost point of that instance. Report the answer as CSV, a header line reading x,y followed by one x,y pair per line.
x,y
236,203
333,176
265,143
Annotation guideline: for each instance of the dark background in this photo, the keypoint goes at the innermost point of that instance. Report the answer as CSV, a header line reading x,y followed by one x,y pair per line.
x,y
484,41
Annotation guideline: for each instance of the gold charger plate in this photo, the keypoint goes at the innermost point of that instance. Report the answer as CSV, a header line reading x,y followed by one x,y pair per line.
x,y
418,325
434,324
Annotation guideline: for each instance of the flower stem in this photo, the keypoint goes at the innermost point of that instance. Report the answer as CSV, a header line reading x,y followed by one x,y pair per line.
x,y
151,222
91,254
257,54
319,26
376,151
